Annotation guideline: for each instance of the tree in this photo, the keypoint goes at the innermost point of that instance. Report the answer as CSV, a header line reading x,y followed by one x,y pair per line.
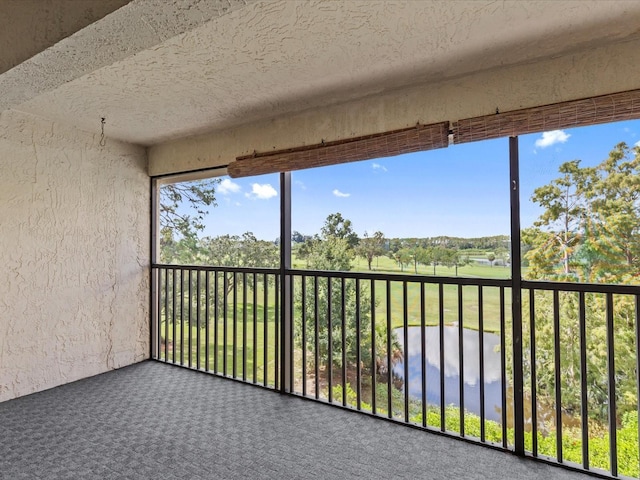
x,y
297,237
304,250
183,207
238,251
559,228
460,260
615,210
337,226
371,247
332,253
502,254
403,257
440,255
450,257
417,254
225,250
491,257
589,231
324,307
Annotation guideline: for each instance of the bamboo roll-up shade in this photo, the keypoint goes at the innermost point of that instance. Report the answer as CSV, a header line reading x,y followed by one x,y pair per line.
x,y
577,113
386,144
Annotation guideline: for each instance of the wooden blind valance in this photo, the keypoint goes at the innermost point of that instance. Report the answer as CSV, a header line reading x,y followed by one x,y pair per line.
x,y
386,144
577,113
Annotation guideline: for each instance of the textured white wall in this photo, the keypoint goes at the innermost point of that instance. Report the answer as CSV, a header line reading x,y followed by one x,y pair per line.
x,y
74,250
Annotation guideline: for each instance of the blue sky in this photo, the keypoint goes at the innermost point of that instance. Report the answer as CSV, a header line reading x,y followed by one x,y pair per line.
x,y
460,191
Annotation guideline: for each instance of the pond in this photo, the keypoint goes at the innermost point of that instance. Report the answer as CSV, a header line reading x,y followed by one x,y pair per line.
x,y
471,368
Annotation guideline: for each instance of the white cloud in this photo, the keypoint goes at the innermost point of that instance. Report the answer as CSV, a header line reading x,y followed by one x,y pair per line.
x,y
300,184
262,192
551,138
227,186
338,193
377,166
637,144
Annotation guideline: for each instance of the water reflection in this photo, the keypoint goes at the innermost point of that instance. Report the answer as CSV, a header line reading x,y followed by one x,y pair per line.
x,y
471,368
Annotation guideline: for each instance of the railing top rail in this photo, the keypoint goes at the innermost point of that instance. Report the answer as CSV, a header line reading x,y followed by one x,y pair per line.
x,y
212,268
581,287
401,277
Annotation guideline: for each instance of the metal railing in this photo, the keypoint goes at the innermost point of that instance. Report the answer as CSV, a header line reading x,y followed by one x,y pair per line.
x,y
220,320
382,344
432,352
580,364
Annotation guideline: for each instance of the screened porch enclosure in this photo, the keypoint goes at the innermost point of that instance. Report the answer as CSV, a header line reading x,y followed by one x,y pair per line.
x,y
415,349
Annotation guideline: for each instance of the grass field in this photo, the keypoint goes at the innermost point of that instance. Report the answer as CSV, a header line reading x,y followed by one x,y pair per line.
x,y
387,265
491,296
254,342
248,340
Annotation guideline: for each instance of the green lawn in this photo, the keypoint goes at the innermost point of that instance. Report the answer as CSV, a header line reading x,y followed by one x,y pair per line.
x,y
245,344
387,265
470,310
491,295
246,341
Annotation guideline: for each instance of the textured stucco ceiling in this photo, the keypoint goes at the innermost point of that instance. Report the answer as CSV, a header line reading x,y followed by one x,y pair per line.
x,y
30,26
139,25
160,70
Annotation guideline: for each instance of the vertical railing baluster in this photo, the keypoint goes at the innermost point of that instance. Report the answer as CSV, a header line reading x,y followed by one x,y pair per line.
x,y
244,327
637,322
198,306
441,347
534,383
216,320
481,359
207,319
156,275
374,366
461,357
584,405
405,324
234,327
276,333
358,353
181,316
316,337
166,312
389,346
303,333
166,317
190,315
225,306
329,341
343,329
254,347
291,332
423,354
558,373
265,326
613,433
173,315
503,371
